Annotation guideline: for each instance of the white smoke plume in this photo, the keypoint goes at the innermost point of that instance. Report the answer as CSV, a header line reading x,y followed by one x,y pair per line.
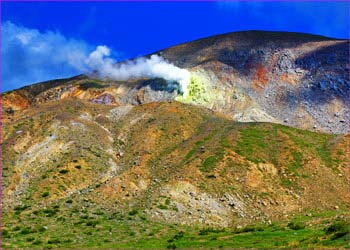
x,y
153,67
30,55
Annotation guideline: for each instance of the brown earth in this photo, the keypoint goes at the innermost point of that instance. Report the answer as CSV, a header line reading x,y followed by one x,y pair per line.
x,y
178,162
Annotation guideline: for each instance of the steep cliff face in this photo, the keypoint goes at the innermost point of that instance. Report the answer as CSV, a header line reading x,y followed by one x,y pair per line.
x,y
295,79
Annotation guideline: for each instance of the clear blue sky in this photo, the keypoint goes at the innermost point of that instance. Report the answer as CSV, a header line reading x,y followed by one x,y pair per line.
x,y
134,29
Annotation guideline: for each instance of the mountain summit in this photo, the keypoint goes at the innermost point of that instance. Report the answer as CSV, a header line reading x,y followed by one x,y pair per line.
x,y
295,79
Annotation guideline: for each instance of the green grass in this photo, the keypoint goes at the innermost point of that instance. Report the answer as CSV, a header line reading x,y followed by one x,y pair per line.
x,y
254,144
97,84
95,228
296,225
210,162
262,143
163,207
314,142
297,163
286,182
190,154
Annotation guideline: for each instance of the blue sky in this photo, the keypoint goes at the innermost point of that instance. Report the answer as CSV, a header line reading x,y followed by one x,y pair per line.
x,y
42,41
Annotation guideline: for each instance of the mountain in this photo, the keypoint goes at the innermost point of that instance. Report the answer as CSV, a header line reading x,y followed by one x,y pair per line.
x,y
295,79
90,163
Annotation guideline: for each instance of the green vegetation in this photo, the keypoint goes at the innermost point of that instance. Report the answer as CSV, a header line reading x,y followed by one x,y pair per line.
x,y
286,182
84,229
93,83
64,171
133,212
297,163
296,225
210,162
262,143
315,142
190,153
258,143
338,229
45,194
77,199
161,206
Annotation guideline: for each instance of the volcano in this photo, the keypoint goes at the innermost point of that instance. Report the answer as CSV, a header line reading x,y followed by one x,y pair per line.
x,y
255,155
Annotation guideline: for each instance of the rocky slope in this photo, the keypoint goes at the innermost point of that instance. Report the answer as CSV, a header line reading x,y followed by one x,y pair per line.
x,y
295,79
169,162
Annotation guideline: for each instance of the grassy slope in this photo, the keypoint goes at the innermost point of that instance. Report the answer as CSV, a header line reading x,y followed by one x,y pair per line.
x,y
69,201
58,226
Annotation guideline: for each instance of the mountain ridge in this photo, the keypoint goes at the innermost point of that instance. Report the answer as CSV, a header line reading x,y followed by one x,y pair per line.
x,y
289,78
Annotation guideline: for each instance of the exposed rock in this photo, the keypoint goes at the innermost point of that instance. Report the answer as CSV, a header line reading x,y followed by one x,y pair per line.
x,y
104,99
283,77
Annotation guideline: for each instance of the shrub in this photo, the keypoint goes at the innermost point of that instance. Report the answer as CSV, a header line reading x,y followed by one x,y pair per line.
x,y
171,246
339,234
63,171
179,235
295,225
250,228
50,212
133,212
338,229
336,226
53,241
92,223
41,229
37,242
211,176
25,231
61,219
206,231
45,194
21,208
163,207
5,233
